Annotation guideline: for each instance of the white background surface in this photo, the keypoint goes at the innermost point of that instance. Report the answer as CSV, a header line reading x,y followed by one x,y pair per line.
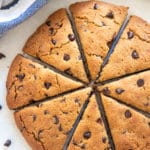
x,y
11,44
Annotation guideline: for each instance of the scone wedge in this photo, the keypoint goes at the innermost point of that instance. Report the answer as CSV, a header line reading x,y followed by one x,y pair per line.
x,y
55,43
129,129
97,24
47,125
90,133
29,81
132,53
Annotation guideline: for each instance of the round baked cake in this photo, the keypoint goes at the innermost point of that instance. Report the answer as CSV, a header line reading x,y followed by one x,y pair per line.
x,y
83,81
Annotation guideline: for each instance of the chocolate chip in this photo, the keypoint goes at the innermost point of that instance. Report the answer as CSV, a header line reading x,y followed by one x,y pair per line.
x,y
135,54
48,23
60,127
87,135
110,15
149,124
46,112
109,44
7,143
54,41
47,85
20,76
128,114
51,30
99,121
106,91
66,57
104,139
130,34
2,56
119,90
95,6
83,146
71,37
0,107
55,120
33,117
140,82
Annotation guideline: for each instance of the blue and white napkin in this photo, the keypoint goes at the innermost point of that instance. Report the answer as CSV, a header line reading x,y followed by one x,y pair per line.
x,y
13,12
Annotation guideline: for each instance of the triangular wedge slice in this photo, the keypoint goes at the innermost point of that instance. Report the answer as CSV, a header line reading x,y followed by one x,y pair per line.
x,y
133,90
46,126
29,81
132,53
54,43
129,129
97,24
90,133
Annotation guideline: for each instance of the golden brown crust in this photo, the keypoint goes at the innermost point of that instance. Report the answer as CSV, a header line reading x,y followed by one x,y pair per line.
x,y
128,90
29,81
131,54
97,24
51,42
129,129
46,126
90,133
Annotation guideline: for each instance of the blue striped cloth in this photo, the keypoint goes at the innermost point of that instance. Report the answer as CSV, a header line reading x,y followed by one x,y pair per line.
x,y
5,26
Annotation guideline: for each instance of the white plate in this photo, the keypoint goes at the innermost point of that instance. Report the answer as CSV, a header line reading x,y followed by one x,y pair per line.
x,y
12,43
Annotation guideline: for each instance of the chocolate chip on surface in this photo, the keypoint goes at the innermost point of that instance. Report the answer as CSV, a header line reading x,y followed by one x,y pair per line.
x,y
60,127
128,114
110,15
95,6
135,54
7,143
140,82
54,41
48,23
2,55
83,146
71,37
55,120
46,112
104,139
87,135
119,90
20,76
99,121
106,91
0,107
51,30
66,57
130,34
47,85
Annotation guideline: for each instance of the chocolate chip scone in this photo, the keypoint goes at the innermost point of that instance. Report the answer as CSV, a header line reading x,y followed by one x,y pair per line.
x,y
82,89
90,133
29,81
55,40
47,125
132,51
130,130
133,90
97,24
